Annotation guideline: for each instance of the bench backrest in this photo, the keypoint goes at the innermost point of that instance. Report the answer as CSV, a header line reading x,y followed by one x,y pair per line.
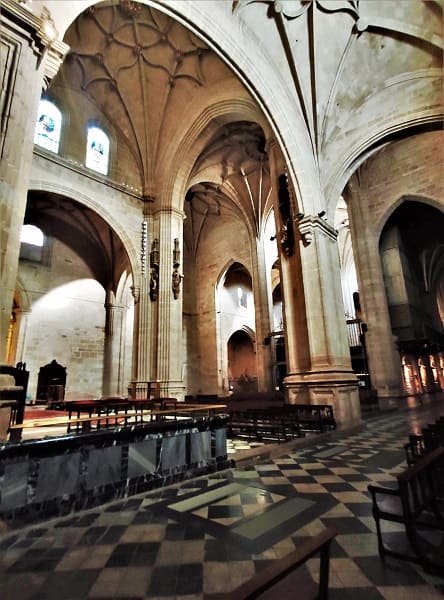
x,y
419,483
278,569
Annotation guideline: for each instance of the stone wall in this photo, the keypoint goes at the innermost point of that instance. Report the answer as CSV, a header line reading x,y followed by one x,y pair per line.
x,y
225,241
65,322
412,173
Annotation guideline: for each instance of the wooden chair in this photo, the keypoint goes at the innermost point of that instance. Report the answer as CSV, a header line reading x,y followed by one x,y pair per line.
x,y
276,580
414,503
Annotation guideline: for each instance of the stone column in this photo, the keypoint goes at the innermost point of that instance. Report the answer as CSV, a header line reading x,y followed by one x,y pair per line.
x,y
330,378
263,317
293,300
31,56
111,383
145,306
169,339
17,343
318,357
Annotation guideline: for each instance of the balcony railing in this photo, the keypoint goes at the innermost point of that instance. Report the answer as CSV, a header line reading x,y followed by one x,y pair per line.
x,y
354,332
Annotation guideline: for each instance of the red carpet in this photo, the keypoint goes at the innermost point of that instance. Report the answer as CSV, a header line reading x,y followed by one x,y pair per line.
x,y
35,413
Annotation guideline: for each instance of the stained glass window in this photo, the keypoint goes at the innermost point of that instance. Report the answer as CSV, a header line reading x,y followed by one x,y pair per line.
x,y
97,150
49,126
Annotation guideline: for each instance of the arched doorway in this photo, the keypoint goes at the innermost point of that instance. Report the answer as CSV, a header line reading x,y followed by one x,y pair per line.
x,y
412,257
241,363
78,308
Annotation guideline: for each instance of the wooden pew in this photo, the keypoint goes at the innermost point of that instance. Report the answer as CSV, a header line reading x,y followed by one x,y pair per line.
x,y
266,583
122,418
282,422
414,503
431,437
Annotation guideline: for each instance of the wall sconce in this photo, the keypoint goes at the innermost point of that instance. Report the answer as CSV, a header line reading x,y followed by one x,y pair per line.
x,y
321,214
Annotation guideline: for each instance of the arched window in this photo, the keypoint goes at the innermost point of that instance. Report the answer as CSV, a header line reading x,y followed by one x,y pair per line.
x,y
49,126
97,150
31,234
33,243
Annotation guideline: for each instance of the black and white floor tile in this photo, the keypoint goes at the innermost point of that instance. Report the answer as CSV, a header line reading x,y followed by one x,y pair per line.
x,y
202,537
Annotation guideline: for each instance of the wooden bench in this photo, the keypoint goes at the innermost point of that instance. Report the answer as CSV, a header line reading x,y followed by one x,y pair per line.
x,y
276,580
122,419
314,417
282,422
414,503
419,444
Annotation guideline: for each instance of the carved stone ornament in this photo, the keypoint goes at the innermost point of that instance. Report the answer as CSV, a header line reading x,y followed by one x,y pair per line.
x,y
176,276
154,273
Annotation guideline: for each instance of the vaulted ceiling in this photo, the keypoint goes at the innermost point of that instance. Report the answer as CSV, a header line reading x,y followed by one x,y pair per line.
x,y
83,230
141,68
143,71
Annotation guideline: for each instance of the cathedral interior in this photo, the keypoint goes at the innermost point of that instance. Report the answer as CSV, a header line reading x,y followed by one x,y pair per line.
x,y
220,200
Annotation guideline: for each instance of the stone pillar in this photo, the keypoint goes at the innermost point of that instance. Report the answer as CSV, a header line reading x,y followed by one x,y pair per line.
x,y
318,356
382,353
17,343
263,317
145,306
293,300
111,383
31,56
169,338
330,378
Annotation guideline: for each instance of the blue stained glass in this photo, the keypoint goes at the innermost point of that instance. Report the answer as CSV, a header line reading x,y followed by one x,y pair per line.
x,y
49,126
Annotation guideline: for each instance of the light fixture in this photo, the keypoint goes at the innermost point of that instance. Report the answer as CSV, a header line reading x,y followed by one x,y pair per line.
x,y
300,216
321,214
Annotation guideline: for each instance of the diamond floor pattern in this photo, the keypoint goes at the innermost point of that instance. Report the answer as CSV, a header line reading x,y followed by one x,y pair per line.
x,y
202,537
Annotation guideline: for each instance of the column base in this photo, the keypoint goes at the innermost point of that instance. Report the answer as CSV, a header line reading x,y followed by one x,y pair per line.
x,y
343,396
172,389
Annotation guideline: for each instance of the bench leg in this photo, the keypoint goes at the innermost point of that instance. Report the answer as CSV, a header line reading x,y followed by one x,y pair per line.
x,y
381,548
324,571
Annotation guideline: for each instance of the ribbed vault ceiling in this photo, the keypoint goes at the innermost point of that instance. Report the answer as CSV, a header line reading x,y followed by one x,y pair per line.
x,y
141,68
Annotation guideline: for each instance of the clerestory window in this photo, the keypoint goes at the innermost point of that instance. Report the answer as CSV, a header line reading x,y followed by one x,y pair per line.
x,y
97,150
49,126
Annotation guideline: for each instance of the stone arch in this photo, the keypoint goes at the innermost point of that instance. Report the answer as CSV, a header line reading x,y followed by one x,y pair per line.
x,y
405,198
225,328
364,149
262,77
100,209
411,250
242,370
194,139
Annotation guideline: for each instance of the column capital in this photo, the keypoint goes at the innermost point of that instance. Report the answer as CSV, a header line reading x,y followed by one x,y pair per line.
x,y
310,225
171,210
42,32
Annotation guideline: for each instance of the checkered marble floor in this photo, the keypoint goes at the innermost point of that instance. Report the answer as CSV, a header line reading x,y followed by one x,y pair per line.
x,y
204,536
